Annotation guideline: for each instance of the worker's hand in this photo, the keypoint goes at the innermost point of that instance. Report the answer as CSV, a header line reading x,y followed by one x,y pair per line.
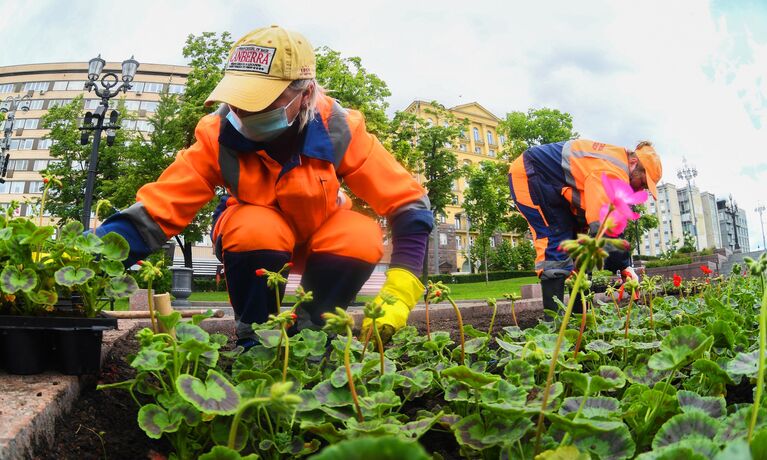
x,y
402,289
629,273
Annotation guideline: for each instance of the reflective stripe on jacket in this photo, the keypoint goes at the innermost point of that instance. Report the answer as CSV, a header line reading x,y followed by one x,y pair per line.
x,y
336,147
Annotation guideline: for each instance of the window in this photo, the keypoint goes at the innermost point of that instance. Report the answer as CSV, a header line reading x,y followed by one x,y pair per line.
x,y
476,134
137,86
36,186
39,165
92,104
58,102
6,88
478,150
176,89
490,139
143,125
44,144
128,124
149,106
442,219
17,187
492,242
22,144
153,87
76,85
501,139
462,147
132,105
36,104
457,222
4,188
458,244
454,187
443,239
36,86
19,165
491,152
26,123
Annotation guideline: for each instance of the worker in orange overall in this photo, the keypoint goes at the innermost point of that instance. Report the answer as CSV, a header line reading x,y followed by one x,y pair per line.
x,y
558,189
281,148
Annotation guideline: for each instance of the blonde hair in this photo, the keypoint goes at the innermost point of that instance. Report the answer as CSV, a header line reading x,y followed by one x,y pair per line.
x,y
308,111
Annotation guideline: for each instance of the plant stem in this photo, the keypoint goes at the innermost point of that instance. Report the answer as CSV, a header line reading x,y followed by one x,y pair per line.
x,y
460,327
513,314
348,365
367,342
492,320
150,303
583,326
287,354
428,324
380,345
760,376
628,318
238,417
555,355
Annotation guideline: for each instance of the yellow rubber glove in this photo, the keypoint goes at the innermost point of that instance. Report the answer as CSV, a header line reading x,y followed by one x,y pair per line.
x,y
407,289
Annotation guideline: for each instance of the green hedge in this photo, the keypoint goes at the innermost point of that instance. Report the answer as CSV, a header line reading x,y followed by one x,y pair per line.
x,y
479,277
207,284
668,262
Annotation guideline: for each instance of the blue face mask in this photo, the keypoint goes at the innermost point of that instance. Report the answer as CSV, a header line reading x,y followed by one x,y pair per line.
x,y
262,127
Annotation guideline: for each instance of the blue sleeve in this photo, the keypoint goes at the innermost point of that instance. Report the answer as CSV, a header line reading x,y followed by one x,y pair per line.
x,y
412,221
122,225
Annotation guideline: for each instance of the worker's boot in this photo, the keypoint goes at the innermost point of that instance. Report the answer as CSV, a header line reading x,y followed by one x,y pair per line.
x,y
552,286
253,301
334,282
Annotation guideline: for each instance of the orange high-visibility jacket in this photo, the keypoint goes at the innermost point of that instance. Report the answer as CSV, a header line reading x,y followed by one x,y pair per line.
x,y
575,168
305,189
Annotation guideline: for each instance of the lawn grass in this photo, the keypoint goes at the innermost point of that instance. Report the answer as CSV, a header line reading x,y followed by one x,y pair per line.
x,y
467,291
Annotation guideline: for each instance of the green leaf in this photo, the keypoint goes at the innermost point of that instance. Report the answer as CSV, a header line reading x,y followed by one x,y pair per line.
x,y
39,236
736,449
89,243
43,297
169,321
482,432
640,373
225,453
615,444
155,421
339,378
600,346
70,276
214,396
112,267
724,337
595,407
14,280
759,444
369,448
475,345
608,378
685,426
269,338
682,345
744,364
219,432
579,381
692,449
736,425
330,396
120,287
547,343
148,359
197,319
188,331
690,401
520,373
563,453
115,247
712,371
469,377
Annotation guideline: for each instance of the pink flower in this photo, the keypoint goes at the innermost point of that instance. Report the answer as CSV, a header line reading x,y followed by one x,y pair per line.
x,y
621,197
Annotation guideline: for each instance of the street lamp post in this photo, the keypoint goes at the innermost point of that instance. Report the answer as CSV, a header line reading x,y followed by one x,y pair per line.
x,y
9,106
731,208
94,121
689,172
760,209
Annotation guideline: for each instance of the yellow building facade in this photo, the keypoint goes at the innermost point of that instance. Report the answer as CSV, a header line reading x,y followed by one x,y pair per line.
x,y
480,142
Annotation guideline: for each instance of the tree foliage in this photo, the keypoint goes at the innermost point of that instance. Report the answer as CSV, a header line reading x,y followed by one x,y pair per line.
x,y
486,201
348,81
637,229
536,127
71,159
505,257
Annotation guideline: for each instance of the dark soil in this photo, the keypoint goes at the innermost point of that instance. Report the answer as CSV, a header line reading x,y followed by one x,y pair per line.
x,y
107,416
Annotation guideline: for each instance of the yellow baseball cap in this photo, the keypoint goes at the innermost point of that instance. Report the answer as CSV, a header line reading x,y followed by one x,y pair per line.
x,y
652,166
261,65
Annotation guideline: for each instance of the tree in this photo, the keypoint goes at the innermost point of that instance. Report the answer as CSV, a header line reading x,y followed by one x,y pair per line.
x,y
486,201
638,228
536,127
508,257
688,247
71,159
348,81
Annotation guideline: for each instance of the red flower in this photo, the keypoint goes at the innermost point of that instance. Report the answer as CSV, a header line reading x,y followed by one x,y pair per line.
x,y
677,280
705,269
140,263
621,292
293,316
45,180
261,272
437,293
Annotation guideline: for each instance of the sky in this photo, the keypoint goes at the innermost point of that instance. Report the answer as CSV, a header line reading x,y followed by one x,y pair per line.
x,y
689,75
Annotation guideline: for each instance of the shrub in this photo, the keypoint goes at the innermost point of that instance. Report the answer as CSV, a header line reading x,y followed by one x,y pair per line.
x,y
681,260
478,277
